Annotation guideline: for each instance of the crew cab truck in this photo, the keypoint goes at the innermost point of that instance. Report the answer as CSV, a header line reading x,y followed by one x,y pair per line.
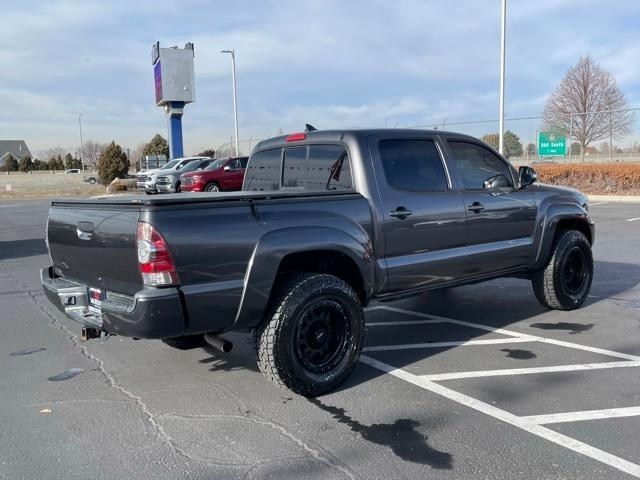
x,y
327,221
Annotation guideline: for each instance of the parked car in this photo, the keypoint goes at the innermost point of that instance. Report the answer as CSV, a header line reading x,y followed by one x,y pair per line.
x,y
146,180
224,174
170,182
327,221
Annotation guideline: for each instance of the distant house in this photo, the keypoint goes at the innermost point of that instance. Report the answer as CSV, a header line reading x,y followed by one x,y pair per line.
x,y
16,148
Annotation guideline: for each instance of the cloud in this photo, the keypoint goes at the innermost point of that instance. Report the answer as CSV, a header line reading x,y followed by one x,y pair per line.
x,y
335,63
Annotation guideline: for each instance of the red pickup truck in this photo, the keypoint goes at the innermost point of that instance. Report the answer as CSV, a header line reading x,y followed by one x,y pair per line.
x,y
223,174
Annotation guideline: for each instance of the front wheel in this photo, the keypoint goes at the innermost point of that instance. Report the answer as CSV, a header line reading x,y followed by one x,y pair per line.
x,y
212,187
566,280
311,341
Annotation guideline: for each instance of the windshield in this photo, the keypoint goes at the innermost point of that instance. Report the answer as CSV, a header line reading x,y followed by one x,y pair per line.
x,y
216,164
193,165
172,163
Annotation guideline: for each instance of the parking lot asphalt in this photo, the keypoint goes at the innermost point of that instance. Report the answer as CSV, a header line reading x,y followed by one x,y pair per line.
x,y
468,383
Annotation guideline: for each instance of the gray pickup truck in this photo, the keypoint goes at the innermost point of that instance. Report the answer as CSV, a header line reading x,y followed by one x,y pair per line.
x,y
327,222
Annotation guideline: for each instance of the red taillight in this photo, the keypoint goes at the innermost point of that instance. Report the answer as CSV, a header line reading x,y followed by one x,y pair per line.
x,y
154,258
294,137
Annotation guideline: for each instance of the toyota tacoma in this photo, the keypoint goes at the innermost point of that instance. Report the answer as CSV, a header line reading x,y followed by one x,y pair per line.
x,y
327,222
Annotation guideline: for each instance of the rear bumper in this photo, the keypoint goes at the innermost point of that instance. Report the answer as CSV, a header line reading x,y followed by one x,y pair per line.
x,y
153,313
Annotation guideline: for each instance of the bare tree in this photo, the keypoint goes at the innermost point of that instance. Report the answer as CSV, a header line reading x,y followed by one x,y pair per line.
x,y
92,151
588,103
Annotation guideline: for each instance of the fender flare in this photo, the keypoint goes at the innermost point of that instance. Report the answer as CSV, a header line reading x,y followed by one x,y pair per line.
x,y
549,224
274,246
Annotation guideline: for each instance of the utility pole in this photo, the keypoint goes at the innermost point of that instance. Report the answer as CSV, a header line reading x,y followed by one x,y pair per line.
x,y
235,97
81,146
503,28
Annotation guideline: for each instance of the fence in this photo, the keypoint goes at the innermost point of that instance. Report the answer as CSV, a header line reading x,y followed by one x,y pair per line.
x,y
609,147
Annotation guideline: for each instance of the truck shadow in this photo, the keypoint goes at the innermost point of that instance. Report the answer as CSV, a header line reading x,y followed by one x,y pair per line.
x,y
499,303
22,248
401,436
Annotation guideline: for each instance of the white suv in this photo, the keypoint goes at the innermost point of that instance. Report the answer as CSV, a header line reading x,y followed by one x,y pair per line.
x,y
146,180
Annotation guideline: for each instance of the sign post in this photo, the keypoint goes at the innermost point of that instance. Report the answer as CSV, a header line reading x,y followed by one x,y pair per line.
x,y
174,87
552,144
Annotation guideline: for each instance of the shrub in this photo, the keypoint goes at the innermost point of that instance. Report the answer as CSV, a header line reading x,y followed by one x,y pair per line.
x,y
594,178
10,164
25,165
113,163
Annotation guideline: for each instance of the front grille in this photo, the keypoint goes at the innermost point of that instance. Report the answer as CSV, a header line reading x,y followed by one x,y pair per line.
x,y
163,180
142,178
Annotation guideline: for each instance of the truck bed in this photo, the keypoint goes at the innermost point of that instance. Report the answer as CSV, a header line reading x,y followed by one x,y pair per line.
x,y
195,198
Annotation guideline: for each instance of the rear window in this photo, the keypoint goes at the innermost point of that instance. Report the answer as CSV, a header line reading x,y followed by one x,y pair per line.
x,y
314,167
324,167
264,171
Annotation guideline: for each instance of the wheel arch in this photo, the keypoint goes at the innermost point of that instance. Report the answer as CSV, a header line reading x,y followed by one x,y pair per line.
x,y
561,218
317,249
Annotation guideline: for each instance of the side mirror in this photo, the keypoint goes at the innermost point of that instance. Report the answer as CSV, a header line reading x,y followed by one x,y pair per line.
x,y
497,181
227,168
526,176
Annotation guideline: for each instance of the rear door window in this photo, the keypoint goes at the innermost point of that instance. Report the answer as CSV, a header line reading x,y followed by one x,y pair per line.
x,y
413,165
263,172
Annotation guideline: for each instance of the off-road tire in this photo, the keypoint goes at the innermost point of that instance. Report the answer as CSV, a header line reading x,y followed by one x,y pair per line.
x,y
548,284
278,357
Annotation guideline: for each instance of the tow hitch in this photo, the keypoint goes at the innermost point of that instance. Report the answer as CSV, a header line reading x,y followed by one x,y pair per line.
x,y
88,333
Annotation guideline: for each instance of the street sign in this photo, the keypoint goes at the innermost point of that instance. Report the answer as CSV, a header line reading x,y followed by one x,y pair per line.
x,y
552,144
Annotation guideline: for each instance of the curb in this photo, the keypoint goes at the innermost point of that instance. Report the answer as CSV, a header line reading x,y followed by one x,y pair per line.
x,y
614,198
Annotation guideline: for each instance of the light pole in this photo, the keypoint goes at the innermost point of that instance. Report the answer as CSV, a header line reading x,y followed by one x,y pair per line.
x,y
503,28
81,146
235,97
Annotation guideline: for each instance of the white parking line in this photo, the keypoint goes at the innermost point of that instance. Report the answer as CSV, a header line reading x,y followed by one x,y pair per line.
x,y
633,219
404,322
408,346
439,377
584,415
511,333
534,423
597,203
520,422
501,331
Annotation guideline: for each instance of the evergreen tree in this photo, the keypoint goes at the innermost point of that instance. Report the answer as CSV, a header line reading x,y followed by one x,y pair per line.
x,y
157,146
113,163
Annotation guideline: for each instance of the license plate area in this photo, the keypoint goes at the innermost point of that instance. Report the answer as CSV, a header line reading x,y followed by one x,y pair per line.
x,y
96,297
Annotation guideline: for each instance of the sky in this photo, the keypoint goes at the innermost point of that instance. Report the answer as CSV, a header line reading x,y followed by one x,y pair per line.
x,y
332,64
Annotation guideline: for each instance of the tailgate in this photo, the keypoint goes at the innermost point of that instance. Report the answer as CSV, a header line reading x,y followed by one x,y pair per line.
x,y
96,246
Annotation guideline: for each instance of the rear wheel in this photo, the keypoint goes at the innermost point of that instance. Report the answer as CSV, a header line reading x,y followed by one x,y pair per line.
x,y
212,187
566,280
312,340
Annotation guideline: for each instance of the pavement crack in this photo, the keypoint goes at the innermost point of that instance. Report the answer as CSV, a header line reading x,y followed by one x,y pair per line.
x,y
157,429
314,452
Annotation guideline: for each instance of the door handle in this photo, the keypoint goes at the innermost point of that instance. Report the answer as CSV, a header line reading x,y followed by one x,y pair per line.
x,y
476,207
400,213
